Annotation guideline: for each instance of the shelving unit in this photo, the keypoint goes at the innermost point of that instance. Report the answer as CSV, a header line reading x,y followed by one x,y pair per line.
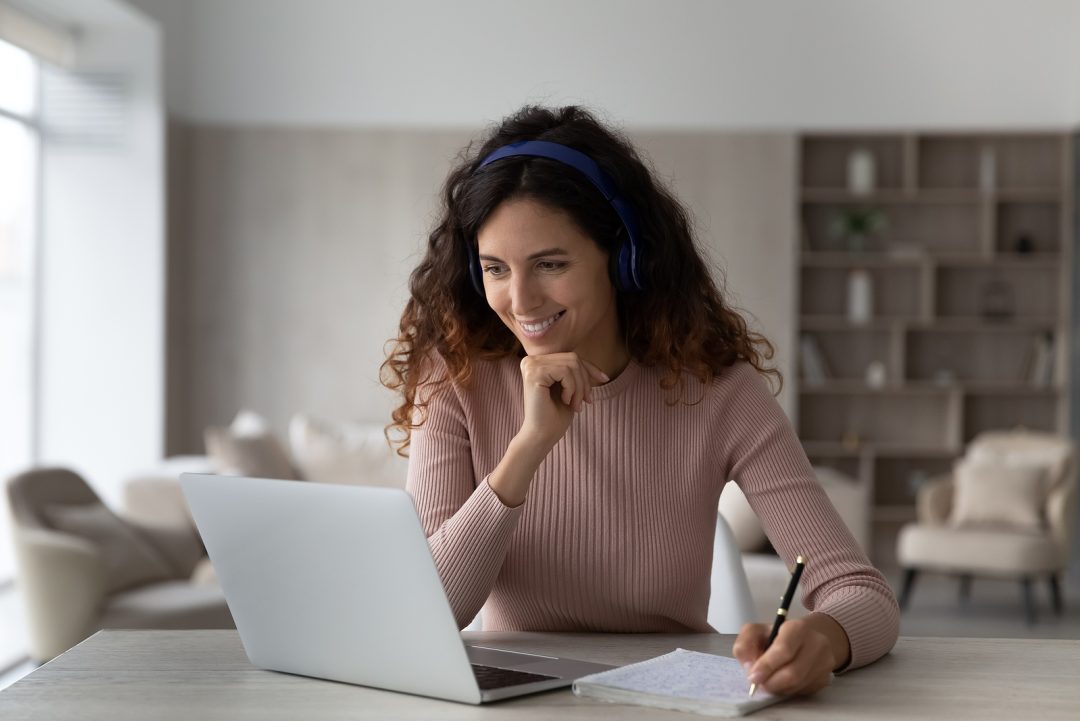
x,y
970,275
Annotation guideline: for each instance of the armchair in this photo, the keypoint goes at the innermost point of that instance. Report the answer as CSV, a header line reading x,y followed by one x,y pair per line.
x,y
956,532
81,567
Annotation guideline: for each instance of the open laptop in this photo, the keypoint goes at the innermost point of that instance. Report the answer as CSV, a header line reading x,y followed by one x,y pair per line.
x,y
337,582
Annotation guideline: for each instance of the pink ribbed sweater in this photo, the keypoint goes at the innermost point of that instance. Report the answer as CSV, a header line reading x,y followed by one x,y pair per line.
x,y
616,533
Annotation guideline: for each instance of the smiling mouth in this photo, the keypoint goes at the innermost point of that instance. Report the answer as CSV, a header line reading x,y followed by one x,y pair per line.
x,y
534,330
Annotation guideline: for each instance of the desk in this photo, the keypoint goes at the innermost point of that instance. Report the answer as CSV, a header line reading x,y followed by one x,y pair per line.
x,y
195,675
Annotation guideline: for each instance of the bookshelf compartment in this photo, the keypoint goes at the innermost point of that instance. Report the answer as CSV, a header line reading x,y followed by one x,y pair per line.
x,y
949,162
848,353
1030,162
896,480
944,356
990,162
896,291
986,412
1038,221
916,420
825,160
938,227
998,292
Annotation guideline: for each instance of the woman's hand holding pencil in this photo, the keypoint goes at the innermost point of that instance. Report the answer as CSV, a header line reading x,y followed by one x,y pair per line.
x,y
792,657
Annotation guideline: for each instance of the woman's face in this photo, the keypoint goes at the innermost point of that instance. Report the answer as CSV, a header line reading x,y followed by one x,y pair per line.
x,y
548,281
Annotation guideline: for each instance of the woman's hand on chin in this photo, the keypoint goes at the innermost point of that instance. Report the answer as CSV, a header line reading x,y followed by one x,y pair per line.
x,y
556,386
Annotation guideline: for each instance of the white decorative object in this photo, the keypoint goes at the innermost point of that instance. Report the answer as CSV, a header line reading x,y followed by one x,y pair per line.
x,y
861,172
813,363
876,375
987,169
860,296
1041,369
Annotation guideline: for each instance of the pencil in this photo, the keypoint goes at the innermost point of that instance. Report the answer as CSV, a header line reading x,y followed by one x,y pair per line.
x,y
785,604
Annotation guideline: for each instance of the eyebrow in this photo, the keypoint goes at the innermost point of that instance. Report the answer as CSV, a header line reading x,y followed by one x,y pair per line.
x,y
534,256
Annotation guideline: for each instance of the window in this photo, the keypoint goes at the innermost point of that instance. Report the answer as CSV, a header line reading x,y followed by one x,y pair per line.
x,y
19,141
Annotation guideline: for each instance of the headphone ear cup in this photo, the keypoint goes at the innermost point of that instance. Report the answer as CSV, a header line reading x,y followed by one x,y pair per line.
x,y
476,273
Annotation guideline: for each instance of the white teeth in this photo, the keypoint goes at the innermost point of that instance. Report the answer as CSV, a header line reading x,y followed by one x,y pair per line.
x,y
537,327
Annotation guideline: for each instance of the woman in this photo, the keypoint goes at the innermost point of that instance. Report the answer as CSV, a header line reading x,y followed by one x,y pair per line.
x,y
576,393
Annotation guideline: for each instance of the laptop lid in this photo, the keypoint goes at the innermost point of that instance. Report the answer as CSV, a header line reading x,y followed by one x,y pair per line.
x,y
310,597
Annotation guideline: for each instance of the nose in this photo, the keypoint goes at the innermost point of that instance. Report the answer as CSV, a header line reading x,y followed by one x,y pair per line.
x,y
524,294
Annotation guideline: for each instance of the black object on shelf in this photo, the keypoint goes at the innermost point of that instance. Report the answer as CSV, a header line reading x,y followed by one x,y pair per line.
x,y
1025,244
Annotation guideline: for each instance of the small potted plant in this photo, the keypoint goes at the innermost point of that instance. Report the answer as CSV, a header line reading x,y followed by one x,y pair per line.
x,y
854,226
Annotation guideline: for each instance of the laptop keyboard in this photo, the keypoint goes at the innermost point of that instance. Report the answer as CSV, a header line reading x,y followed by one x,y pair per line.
x,y
489,677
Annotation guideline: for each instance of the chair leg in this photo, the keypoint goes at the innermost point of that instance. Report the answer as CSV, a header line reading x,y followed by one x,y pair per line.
x,y
1029,600
907,586
965,587
1055,594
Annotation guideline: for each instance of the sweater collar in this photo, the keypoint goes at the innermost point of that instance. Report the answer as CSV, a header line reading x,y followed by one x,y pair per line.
x,y
619,384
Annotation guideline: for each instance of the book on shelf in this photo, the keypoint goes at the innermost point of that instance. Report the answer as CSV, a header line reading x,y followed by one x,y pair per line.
x,y
814,370
682,681
1041,361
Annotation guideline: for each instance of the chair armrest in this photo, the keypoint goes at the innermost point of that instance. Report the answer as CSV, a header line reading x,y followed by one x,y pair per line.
x,y
934,500
1061,517
62,582
156,501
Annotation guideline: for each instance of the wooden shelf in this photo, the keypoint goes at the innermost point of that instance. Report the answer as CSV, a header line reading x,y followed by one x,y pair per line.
x,y
959,207
842,196
886,259
957,324
856,387
877,449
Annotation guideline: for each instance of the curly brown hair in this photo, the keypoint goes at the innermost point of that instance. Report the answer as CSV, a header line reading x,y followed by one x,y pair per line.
x,y
680,322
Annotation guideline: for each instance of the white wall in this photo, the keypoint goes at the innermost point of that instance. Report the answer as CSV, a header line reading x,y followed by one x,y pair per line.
x,y
102,268
702,64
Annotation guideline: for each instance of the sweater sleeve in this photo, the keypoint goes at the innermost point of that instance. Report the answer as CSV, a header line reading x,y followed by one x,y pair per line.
x,y
467,526
763,455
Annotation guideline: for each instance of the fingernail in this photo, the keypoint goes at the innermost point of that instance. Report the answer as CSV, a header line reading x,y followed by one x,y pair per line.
x,y
746,666
605,377
756,677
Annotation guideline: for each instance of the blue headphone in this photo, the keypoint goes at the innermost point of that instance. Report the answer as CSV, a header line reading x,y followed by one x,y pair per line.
x,y
627,261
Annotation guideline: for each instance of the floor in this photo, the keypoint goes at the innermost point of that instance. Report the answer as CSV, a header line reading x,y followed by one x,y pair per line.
x,y
994,610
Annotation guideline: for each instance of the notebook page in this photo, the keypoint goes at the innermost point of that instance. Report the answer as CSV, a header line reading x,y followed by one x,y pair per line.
x,y
705,680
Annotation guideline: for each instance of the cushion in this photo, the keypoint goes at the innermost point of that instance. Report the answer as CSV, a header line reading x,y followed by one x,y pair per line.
x,y
128,558
248,448
974,550
179,544
351,453
1025,449
992,494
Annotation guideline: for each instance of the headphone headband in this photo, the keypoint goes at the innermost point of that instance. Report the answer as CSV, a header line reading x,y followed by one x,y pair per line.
x,y
628,275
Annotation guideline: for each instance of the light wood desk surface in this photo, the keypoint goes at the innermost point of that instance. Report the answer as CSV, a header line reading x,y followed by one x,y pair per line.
x,y
196,675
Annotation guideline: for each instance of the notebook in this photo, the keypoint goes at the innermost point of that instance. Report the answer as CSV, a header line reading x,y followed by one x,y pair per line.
x,y
681,680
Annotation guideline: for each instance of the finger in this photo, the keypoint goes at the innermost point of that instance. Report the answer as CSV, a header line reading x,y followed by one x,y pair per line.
x,y
794,677
597,376
567,385
782,651
749,643
582,376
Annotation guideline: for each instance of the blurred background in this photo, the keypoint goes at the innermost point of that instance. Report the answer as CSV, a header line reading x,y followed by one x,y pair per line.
x,y
209,210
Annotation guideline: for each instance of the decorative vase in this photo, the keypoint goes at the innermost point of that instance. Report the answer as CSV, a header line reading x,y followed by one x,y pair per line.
x,y
860,172
860,296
